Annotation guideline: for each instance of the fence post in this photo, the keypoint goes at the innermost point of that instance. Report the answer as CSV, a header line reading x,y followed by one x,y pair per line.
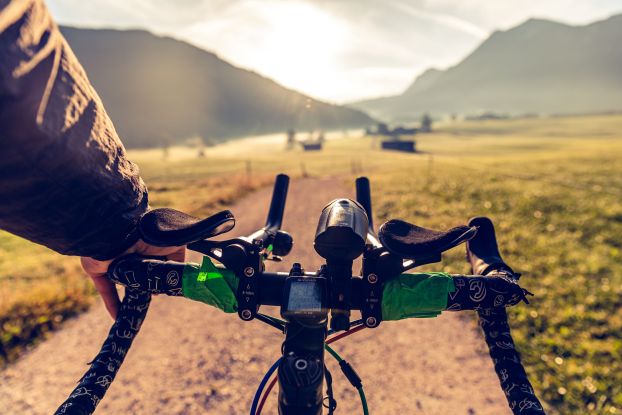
x,y
430,170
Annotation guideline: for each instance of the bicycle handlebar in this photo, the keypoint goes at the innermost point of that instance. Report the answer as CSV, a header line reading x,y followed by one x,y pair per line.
x,y
271,233
363,196
471,292
277,205
143,277
93,386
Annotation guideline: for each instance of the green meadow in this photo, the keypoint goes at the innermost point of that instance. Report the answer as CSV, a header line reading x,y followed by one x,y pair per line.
x,y
552,186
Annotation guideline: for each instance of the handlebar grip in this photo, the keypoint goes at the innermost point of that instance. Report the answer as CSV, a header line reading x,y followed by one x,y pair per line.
x,y
95,382
428,294
268,233
507,363
363,196
478,292
277,205
205,283
150,274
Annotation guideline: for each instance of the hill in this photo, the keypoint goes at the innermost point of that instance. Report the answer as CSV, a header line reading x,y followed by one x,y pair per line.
x,y
539,66
158,89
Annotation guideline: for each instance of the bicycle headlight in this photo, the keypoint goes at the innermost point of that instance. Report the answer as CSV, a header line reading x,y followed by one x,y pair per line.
x,y
341,231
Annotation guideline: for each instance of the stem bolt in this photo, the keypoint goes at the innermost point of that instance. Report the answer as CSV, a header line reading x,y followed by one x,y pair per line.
x,y
300,364
249,271
372,278
246,314
371,322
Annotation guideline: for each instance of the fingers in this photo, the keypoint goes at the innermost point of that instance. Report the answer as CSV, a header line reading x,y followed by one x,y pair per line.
x,y
175,253
108,292
106,288
97,271
179,255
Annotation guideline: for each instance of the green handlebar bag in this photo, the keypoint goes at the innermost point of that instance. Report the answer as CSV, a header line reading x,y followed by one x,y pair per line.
x,y
211,285
421,295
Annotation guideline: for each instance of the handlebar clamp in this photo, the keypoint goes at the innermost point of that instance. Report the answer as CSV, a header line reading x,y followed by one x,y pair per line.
x,y
371,307
248,287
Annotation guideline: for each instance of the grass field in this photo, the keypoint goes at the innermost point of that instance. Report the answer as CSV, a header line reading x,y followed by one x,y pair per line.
x,y
554,190
552,186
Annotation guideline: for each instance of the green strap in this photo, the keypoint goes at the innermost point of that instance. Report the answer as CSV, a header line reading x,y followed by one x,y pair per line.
x,y
211,285
420,295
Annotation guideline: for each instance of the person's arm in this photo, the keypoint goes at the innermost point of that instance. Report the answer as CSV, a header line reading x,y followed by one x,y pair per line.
x,y
65,180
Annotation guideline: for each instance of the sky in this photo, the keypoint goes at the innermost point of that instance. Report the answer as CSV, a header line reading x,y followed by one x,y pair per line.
x,y
335,50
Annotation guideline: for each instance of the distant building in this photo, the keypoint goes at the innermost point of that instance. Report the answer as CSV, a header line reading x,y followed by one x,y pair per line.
x,y
311,146
313,143
404,131
487,116
407,146
383,129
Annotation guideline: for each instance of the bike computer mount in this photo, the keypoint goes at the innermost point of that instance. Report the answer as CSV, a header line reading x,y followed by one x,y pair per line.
x,y
305,298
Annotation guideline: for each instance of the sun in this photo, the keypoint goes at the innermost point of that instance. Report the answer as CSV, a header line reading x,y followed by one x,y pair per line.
x,y
302,47
296,43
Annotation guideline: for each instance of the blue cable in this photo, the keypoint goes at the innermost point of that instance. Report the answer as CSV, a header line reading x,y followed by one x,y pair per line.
x,y
262,385
269,373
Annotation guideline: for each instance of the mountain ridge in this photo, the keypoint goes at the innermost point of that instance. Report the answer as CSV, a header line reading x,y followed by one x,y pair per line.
x,y
160,90
537,66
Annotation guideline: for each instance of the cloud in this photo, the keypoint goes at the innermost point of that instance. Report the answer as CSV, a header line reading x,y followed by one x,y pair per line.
x,y
443,19
336,50
494,15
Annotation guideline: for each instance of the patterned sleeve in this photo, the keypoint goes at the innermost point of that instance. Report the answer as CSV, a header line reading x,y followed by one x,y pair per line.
x,y
65,180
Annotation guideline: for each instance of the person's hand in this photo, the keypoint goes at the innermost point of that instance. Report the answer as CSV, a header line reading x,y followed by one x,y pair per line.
x,y
106,288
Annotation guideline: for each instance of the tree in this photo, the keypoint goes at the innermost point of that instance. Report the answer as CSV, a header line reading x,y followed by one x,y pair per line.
x,y
426,123
291,139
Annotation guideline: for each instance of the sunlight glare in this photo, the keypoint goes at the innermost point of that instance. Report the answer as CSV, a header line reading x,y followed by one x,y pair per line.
x,y
302,46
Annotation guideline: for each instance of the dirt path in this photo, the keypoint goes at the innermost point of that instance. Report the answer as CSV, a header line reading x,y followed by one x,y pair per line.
x,y
192,359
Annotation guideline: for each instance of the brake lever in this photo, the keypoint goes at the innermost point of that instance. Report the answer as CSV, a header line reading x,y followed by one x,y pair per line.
x,y
380,266
245,258
206,247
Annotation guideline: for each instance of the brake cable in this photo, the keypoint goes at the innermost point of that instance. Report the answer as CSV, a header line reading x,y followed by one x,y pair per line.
x,y
279,325
262,385
348,373
271,321
331,403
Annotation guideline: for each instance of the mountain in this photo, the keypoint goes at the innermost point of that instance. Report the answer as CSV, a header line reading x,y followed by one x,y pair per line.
x,y
540,66
161,90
